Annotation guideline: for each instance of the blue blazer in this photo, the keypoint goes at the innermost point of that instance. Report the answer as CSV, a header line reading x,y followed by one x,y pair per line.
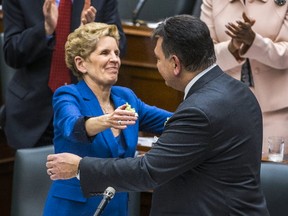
x,y
72,103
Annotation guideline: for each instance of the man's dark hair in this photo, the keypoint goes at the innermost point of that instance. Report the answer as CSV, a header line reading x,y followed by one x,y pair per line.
x,y
189,39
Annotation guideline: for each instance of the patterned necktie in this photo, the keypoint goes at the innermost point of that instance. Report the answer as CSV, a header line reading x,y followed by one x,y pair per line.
x,y
59,73
246,74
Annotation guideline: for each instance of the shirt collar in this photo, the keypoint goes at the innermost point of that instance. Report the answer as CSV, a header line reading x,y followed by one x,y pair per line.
x,y
198,76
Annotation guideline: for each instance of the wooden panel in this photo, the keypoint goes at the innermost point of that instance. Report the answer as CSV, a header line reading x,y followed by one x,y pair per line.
x,y
6,174
139,47
150,87
146,198
6,179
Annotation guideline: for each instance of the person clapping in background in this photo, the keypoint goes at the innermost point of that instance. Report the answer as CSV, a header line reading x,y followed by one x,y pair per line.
x,y
251,45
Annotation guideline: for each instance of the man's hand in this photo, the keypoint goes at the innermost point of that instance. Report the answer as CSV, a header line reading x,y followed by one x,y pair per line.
x,y
50,12
88,13
62,166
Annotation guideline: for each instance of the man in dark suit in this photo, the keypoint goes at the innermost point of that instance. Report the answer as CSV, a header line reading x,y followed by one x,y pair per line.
x,y
207,161
28,48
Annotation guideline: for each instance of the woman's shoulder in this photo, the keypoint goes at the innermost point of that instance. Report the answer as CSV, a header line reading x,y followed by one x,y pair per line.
x,y
77,87
66,88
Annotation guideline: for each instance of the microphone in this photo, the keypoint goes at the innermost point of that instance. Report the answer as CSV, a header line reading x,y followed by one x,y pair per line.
x,y
137,10
107,196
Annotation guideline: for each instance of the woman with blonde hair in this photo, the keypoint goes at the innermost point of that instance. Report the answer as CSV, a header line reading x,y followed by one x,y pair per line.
x,y
95,118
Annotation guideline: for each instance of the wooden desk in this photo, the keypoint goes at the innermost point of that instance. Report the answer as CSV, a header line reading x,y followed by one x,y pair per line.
x,y
139,71
285,161
6,174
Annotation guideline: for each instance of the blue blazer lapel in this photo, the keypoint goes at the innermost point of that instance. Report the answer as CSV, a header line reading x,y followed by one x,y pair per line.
x,y
93,105
129,132
90,99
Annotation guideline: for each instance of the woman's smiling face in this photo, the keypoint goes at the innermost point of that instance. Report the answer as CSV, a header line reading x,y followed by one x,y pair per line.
x,y
104,62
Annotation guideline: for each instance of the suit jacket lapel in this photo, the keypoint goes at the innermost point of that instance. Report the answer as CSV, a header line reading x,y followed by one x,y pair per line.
x,y
90,99
210,75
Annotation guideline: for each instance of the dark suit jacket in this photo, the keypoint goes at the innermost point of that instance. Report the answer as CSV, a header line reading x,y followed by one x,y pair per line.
x,y
29,99
206,162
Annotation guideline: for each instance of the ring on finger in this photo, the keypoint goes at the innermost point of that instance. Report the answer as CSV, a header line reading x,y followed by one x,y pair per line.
x,y
119,122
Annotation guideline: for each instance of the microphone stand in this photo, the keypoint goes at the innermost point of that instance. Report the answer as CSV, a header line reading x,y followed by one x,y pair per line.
x,y
137,10
107,196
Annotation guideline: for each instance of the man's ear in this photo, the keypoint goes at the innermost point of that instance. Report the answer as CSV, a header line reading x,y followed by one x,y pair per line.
x,y
80,64
176,64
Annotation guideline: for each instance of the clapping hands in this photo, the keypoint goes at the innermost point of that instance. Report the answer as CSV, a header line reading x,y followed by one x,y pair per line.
x,y
88,13
50,12
241,33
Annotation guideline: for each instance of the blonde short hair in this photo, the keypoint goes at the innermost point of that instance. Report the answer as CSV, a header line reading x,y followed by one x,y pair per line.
x,y
83,41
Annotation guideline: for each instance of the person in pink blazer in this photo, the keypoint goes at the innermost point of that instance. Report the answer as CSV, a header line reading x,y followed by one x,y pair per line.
x,y
264,41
